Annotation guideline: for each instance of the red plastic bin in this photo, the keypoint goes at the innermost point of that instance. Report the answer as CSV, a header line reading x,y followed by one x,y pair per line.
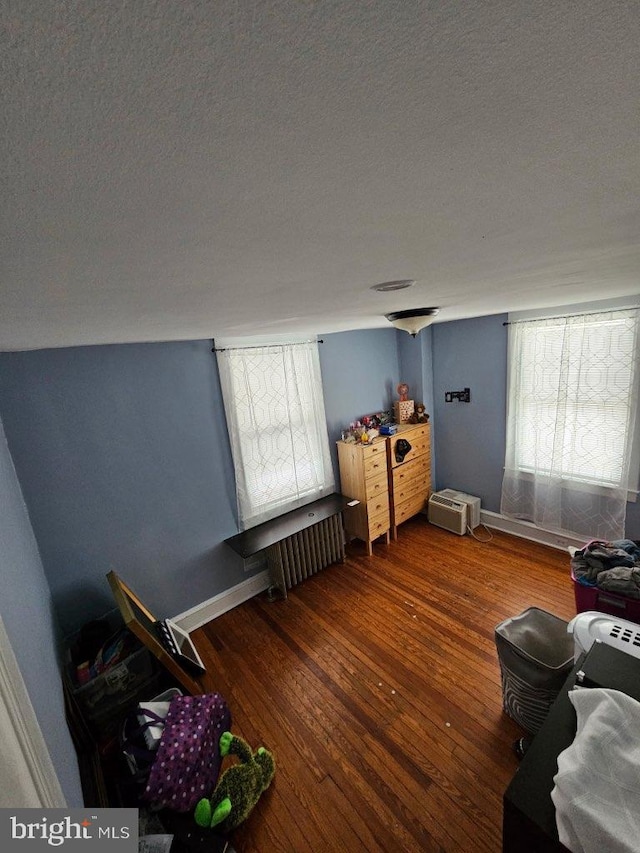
x,y
592,598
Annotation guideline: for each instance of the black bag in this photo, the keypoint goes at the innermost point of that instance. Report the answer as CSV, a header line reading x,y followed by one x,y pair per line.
x,y
402,448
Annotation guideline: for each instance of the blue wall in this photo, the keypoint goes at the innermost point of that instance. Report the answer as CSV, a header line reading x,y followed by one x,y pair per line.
x,y
416,366
360,372
469,438
124,461
633,520
27,613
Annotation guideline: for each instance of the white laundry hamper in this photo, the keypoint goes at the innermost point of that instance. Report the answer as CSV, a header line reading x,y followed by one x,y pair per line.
x,y
592,626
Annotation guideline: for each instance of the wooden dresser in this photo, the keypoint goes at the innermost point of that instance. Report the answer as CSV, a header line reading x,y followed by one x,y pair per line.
x,y
389,490
409,475
364,477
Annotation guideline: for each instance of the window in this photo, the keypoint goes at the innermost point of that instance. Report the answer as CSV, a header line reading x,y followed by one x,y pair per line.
x,y
570,426
277,426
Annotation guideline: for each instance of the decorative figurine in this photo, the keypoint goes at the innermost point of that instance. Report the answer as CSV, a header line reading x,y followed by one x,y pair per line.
x,y
403,391
403,408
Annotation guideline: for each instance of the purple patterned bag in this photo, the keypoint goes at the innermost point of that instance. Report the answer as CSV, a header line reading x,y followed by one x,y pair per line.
x,y
187,763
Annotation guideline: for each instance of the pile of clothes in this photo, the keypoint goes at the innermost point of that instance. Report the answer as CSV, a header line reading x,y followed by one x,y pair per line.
x,y
611,566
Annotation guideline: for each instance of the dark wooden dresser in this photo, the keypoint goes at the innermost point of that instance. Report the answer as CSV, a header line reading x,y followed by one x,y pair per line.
x,y
529,820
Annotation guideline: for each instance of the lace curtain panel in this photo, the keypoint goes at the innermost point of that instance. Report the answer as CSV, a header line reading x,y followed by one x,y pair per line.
x,y
572,401
277,426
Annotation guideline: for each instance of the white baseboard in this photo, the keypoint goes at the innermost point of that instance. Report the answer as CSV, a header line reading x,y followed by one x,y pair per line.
x,y
526,530
219,604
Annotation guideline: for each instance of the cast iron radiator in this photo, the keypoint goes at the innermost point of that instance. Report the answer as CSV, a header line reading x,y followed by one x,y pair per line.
x,y
302,554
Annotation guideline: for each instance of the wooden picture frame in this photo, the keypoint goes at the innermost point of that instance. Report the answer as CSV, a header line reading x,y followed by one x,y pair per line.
x,y
141,622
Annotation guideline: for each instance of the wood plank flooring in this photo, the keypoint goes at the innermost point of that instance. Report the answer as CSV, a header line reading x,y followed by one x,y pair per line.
x,y
376,685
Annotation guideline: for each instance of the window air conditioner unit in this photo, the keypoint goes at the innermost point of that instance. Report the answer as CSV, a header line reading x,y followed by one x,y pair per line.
x,y
448,513
473,505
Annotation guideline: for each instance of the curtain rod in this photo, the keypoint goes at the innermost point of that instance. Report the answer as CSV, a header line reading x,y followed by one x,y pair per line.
x,y
265,346
565,316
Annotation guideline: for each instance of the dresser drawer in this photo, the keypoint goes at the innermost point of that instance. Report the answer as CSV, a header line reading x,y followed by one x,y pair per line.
x,y
375,449
417,487
375,464
378,505
414,433
409,508
416,471
419,447
376,486
379,524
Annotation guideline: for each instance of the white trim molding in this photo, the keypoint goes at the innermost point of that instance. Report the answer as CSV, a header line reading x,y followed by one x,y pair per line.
x,y
219,604
526,530
28,776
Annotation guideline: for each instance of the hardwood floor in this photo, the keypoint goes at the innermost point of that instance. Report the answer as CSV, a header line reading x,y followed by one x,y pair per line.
x,y
377,687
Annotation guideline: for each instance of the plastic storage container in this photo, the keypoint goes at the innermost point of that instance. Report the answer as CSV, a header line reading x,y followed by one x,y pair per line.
x,y
110,693
536,655
592,598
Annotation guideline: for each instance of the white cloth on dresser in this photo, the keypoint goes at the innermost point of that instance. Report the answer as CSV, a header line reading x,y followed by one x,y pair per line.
x,y
597,786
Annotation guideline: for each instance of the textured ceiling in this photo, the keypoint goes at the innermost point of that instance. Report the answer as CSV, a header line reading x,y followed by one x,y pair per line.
x,y
189,169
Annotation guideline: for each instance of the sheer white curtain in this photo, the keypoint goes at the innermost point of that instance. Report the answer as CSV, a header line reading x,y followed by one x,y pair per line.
x,y
572,401
276,420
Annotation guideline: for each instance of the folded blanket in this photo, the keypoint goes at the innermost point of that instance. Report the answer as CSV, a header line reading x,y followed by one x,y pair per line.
x,y
597,787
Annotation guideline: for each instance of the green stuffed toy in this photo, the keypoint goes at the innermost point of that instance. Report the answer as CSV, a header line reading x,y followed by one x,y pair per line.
x,y
239,788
